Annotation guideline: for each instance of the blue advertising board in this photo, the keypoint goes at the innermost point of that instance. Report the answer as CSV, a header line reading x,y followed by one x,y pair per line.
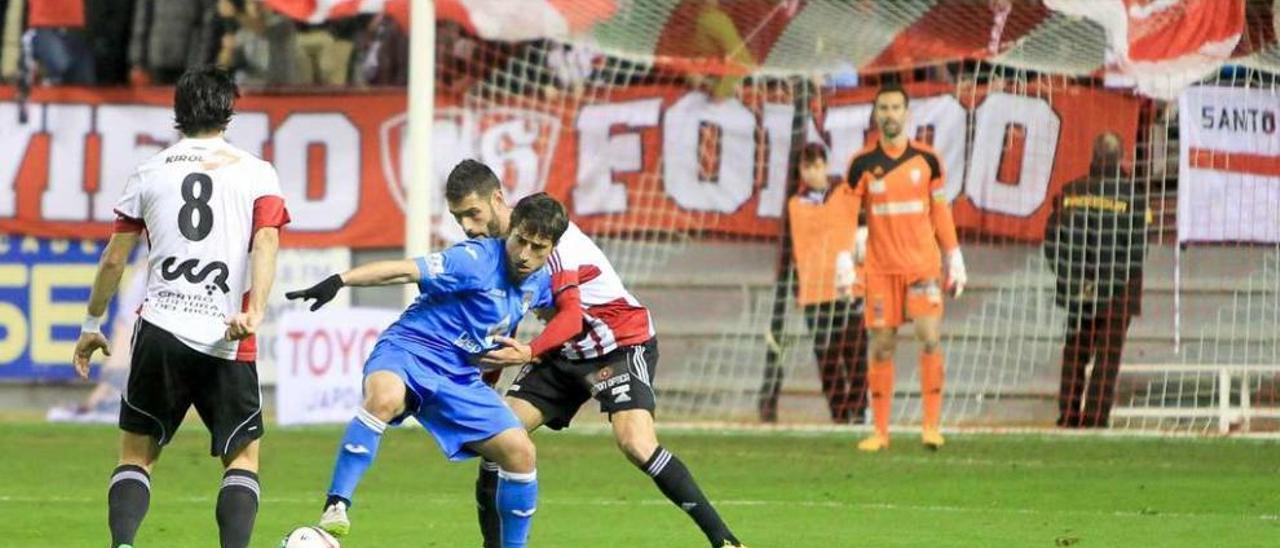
x,y
44,292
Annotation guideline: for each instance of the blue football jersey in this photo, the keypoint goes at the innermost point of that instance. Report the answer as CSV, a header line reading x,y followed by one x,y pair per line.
x,y
467,298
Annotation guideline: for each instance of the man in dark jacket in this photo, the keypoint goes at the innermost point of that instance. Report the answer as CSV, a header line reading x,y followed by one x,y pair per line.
x,y
169,37
1095,242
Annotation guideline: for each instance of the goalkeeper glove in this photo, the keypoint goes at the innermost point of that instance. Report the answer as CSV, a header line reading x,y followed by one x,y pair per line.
x,y
860,245
322,292
845,274
956,275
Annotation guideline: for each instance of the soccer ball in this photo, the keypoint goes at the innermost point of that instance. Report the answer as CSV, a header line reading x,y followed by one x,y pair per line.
x,y
309,537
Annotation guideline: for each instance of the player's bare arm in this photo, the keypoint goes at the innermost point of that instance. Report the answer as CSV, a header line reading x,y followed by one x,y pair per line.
x,y
266,242
105,283
397,272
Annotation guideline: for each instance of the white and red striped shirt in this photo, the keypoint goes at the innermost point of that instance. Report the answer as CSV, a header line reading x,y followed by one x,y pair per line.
x,y
611,316
201,201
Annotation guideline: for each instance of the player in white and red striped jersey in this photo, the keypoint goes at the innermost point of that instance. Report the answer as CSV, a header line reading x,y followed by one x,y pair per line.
x,y
599,344
212,214
612,318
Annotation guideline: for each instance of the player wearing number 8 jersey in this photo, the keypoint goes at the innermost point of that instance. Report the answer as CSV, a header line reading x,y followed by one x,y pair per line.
x,y
898,184
212,215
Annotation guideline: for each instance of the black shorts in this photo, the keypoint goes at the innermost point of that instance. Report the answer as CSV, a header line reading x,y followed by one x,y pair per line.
x,y
621,380
167,377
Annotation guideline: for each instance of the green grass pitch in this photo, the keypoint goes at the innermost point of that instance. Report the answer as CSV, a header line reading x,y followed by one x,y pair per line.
x,y
774,489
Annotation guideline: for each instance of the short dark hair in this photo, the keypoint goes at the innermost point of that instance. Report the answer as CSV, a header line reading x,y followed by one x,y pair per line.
x,y
467,177
541,215
204,100
812,152
893,87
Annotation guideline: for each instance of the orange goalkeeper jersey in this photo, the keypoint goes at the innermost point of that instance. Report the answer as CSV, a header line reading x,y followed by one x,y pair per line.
x,y
907,213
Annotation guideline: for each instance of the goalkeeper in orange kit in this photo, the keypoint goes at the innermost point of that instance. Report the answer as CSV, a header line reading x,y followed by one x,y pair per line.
x,y
898,183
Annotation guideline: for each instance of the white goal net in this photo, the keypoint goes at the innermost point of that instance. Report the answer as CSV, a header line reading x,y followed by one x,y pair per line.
x,y
1140,295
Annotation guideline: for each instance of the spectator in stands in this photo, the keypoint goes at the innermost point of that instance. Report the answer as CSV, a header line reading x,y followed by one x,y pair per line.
x,y
260,48
458,59
1095,241
324,52
109,36
382,53
843,76
58,42
168,37
571,67
824,248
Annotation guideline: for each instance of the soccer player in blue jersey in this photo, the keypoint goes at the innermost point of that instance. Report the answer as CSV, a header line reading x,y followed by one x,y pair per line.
x,y
424,364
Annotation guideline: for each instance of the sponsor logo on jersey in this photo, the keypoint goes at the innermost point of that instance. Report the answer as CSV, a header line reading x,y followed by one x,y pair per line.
x,y
435,264
915,176
187,270
356,449
468,343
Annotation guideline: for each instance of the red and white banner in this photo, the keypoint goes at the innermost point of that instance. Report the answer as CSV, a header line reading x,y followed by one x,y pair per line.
x,y
1229,182
320,362
659,158
1159,46
502,20
62,171
1005,156
1163,46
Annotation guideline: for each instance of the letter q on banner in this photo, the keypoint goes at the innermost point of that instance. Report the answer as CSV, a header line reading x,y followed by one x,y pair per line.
x,y
320,362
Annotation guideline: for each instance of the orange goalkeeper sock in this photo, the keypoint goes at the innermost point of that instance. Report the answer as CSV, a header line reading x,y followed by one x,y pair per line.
x,y
931,387
880,377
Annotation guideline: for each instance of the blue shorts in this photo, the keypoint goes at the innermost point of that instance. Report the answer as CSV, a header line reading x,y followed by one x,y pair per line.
x,y
456,411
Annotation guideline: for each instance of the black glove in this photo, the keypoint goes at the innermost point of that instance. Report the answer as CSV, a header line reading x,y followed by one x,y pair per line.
x,y
322,292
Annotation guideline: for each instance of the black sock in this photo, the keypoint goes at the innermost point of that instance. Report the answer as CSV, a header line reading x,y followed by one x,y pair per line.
x,y
128,497
675,481
486,504
237,507
334,499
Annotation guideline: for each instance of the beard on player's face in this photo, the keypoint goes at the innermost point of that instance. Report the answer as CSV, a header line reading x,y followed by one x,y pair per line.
x,y
889,127
526,253
490,229
478,216
495,227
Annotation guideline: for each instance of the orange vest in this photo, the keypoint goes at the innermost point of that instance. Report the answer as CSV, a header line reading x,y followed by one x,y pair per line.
x,y
819,232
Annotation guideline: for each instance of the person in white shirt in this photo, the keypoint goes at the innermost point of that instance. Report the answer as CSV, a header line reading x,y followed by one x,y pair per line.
x,y
212,214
